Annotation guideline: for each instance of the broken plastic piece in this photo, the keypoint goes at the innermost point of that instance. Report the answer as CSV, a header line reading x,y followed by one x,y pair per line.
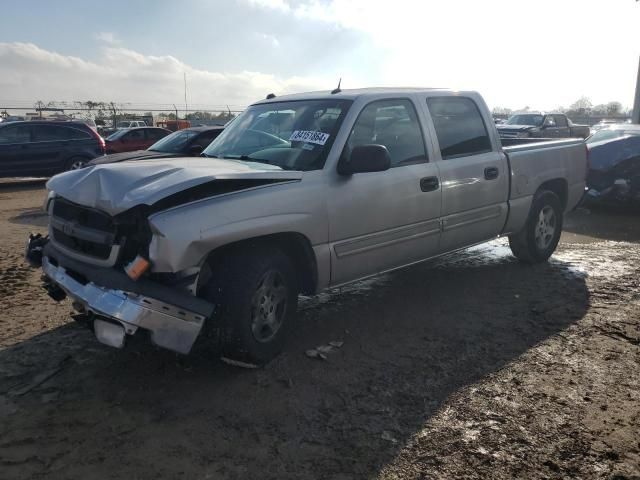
x,y
137,267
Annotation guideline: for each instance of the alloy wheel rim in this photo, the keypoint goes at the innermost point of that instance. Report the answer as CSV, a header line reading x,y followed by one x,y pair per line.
x,y
545,228
268,306
78,164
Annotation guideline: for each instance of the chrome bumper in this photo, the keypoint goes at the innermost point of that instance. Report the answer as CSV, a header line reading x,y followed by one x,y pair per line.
x,y
170,327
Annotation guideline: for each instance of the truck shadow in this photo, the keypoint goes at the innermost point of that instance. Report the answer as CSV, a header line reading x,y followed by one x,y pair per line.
x,y
411,339
611,222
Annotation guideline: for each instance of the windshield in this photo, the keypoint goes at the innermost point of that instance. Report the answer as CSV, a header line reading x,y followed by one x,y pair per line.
x,y
608,134
116,135
174,143
535,120
294,135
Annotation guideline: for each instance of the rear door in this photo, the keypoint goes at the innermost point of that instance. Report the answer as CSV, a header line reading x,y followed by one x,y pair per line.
x,y
14,149
562,126
383,220
134,140
48,149
474,173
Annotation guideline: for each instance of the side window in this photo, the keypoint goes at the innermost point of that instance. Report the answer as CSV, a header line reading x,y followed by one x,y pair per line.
x,y
49,133
14,134
77,134
153,134
459,127
134,135
394,124
206,138
549,121
561,121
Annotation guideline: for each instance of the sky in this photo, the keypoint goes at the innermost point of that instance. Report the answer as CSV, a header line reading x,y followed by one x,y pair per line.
x,y
542,54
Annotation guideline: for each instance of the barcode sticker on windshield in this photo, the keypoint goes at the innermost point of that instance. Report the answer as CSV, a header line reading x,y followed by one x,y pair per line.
x,y
309,136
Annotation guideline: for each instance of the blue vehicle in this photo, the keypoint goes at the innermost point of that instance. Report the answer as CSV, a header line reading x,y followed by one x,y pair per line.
x,y
45,148
614,168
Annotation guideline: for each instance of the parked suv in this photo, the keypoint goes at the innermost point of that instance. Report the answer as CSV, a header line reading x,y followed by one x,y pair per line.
x,y
44,148
131,139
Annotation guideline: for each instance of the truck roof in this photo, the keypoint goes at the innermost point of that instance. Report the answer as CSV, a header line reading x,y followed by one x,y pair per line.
x,y
352,94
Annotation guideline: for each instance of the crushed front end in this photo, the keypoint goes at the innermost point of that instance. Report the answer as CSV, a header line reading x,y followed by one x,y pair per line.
x,y
85,256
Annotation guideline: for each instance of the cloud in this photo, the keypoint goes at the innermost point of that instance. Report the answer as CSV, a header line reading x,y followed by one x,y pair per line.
x,y
29,73
494,47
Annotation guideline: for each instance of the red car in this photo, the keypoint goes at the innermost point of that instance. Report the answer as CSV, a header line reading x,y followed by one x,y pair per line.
x,y
131,139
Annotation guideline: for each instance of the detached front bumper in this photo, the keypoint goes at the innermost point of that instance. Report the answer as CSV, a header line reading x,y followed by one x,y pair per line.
x,y
117,311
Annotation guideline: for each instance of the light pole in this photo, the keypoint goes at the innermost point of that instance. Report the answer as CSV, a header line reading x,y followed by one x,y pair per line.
x,y
635,117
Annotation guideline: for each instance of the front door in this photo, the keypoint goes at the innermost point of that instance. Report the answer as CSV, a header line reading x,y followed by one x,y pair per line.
x,y
474,175
549,127
383,220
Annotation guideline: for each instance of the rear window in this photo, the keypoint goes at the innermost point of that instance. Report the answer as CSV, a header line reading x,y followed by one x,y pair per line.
x,y
459,127
77,134
561,121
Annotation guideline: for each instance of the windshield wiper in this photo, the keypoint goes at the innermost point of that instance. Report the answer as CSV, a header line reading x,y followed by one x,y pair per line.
x,y
208,156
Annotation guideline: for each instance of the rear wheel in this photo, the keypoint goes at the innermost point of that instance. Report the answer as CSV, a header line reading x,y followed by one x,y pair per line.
x,y
255,294
76,163
539,238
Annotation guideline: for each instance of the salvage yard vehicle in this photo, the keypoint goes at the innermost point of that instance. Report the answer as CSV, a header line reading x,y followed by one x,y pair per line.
x,y
44,148
614,166
615,130
132,139
540,125
189,142
352,184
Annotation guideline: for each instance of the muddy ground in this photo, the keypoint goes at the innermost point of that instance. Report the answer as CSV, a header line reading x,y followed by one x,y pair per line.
x,y
472,366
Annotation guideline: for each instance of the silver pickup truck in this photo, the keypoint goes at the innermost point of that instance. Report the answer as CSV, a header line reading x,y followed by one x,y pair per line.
x,y
300,193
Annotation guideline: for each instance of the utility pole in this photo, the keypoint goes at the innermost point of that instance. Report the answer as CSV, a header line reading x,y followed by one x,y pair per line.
x,y
186,109
635,117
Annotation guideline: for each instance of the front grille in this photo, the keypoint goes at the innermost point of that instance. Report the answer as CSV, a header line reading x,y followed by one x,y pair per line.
x,y
87,217
82,246
74,214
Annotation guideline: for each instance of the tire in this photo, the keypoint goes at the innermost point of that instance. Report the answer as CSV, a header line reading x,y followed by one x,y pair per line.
x,y
76,163
255,293
537,241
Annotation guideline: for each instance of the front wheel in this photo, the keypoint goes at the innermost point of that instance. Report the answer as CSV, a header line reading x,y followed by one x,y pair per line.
x,y
255,294
537,241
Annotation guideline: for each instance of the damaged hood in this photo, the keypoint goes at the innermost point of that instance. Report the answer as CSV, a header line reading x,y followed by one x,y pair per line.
x,y
136,155
115,188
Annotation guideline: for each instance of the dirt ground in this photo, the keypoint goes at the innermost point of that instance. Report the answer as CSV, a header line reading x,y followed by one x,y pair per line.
x,y
471,366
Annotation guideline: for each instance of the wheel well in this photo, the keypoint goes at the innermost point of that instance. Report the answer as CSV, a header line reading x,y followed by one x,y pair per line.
x,y
295,245
559,187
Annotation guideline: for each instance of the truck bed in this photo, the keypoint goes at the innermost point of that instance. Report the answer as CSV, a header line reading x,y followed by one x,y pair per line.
x,y
535,162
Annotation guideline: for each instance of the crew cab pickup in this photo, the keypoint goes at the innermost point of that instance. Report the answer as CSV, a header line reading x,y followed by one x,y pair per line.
x,y
541,125
300,193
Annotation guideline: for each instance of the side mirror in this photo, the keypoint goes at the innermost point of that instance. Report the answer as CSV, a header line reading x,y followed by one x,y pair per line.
x,y
195,150
365,158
